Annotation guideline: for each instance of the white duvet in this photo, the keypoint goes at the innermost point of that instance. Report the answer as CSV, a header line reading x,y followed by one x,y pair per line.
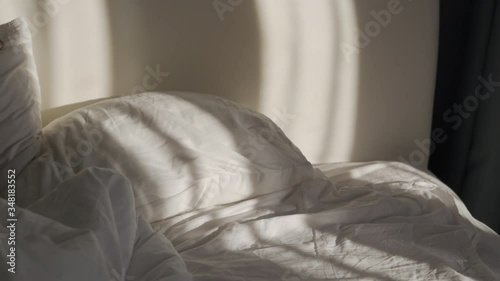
x,y
180,186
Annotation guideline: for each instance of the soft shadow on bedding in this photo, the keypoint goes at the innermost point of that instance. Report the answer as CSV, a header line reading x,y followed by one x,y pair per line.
x,y
50,115
287,272
143,172
142,117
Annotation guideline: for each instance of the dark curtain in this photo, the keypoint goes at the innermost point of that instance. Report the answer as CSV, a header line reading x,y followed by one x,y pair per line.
x,y
467,106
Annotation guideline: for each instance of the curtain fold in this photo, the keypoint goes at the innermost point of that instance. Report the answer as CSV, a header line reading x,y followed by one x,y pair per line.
x,y
467,105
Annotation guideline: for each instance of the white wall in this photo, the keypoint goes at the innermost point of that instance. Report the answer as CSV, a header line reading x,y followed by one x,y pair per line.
x,y
294,60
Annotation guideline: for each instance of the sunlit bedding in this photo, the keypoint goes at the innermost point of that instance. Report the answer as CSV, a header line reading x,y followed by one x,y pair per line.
x,y
184,186
181,186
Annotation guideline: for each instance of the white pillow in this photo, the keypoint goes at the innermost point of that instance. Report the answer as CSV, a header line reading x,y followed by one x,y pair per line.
x,y
20,124
181,151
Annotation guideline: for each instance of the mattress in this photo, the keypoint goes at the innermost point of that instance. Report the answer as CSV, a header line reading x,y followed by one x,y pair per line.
x,y
182,186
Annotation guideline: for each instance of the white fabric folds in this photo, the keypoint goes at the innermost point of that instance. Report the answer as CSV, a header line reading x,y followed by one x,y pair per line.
x,y
182,186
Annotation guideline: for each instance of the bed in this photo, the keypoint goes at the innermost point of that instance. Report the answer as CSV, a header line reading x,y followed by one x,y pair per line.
x,y
185,186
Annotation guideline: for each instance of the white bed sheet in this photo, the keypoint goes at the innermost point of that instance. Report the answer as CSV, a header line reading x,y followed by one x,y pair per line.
x,y
163,159
353,221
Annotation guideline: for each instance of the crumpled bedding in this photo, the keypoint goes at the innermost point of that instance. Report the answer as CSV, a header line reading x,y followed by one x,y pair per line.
x,y
180,186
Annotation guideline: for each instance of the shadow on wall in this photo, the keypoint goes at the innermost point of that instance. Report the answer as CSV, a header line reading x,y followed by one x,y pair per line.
x,y
213,52
396,78
283,58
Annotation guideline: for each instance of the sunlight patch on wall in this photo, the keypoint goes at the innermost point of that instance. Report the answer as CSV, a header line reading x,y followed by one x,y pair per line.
x,y
344,122
306,77
79,64
81,67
